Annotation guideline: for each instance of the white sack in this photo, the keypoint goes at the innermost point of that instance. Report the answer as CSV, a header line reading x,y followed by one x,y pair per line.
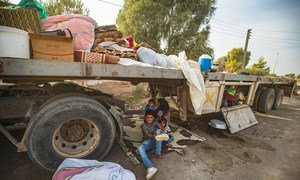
x,y
148,56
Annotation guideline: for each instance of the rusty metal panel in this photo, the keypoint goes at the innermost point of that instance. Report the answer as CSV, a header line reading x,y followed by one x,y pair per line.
x,y
231,77
238,117
14,107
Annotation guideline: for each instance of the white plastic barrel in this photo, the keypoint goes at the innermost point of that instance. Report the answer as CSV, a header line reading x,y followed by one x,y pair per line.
x,y
14,43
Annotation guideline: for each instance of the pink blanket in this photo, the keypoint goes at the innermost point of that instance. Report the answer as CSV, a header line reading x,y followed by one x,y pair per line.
x,y
82,28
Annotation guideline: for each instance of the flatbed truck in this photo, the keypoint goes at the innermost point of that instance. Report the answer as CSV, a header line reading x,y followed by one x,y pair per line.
x,y
68,120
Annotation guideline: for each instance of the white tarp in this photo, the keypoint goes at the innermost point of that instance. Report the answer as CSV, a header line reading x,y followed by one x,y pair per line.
x,y
195,82
82,169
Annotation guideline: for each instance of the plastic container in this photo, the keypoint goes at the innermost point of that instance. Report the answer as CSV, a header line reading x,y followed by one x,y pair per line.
x,y
14,43
205,62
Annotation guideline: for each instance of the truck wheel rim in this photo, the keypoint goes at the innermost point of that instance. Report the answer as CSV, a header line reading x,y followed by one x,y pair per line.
x,y
76,138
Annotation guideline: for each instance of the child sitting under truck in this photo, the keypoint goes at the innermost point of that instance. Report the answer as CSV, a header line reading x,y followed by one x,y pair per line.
x,y
150,105
163,132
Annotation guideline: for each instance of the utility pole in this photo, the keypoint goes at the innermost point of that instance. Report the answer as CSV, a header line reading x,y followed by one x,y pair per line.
x,y
245,49
275,63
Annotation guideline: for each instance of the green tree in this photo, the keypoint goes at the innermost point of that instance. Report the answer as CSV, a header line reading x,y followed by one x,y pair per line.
x,y
232,62
170,25
298,76
60,7
222,63
260,68
273,75
233,65
237,54
291,75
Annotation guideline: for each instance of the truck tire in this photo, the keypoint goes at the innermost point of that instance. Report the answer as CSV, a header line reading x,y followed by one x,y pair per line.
x,y
71,126
266,100
279,93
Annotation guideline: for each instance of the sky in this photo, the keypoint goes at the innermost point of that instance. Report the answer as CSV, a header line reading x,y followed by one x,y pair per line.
x,y
274,23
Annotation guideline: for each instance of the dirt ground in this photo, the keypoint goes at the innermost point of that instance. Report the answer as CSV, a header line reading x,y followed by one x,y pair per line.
x,y
268,150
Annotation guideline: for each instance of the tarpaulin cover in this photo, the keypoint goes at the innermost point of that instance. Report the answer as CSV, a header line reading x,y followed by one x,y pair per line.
x,y
76,169
196,83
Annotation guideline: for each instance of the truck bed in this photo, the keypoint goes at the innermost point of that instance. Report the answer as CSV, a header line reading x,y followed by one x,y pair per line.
x,y
29,69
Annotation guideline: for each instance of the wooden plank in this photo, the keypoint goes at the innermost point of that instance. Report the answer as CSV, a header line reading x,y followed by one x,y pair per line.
x,y
220,97
182,92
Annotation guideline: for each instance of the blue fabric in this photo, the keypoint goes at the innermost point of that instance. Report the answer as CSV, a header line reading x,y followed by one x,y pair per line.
x,y
153,108
171,138
147,145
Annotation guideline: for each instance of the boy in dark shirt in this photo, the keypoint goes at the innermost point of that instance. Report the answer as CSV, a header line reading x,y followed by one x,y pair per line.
x,y
149,128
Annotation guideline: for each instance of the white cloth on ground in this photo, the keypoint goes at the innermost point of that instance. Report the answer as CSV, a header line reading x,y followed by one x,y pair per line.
x,y
79,169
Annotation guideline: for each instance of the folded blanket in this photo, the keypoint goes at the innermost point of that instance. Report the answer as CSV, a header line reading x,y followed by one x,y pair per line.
x,y
82,28
88,57
26,19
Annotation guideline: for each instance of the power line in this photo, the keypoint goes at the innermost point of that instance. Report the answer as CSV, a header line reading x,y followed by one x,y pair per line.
x,y
231,31
240,27
272,38
228,33
256,39
297,32
110,3
226,25
259,39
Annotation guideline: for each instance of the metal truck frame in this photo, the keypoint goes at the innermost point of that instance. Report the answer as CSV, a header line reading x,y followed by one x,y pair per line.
x,y
68,120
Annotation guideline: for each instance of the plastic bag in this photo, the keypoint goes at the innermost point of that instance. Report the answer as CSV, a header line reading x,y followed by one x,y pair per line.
x,y
34,4
147,56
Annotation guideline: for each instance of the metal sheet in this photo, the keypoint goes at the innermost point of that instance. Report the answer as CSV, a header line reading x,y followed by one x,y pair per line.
x,y
238,117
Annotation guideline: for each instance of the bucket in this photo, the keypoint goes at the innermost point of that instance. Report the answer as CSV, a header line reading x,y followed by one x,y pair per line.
x,y
14,43
205,62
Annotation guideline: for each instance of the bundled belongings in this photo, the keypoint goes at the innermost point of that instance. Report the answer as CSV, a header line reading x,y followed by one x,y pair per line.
x,y
116,45
151,57
81,26
107,33
89,57
26,19
34,5
115,50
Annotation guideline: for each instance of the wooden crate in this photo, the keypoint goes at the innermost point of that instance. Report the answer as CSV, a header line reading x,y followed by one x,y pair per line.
x,y
49,47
